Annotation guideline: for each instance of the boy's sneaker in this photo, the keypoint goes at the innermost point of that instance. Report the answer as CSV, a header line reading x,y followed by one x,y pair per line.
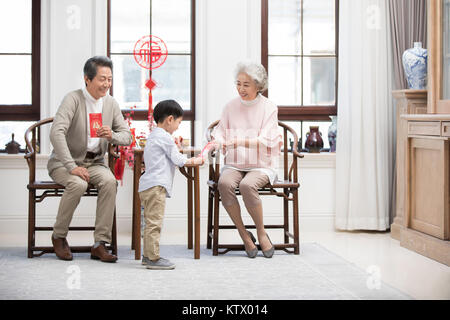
x,y
145,260
160,264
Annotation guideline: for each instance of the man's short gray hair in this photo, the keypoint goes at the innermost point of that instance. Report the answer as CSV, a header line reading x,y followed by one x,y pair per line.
x,y
256,71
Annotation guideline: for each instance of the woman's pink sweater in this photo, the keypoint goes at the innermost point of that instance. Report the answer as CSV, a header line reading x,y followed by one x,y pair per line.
x,y
256,120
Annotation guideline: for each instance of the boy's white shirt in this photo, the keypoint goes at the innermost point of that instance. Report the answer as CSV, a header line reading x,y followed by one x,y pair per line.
x,y
161,157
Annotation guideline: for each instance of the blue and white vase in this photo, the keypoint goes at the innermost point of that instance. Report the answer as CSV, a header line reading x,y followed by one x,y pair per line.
x,y
332,133
415,66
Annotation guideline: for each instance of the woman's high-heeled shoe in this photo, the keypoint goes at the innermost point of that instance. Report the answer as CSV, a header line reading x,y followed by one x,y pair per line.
x,y
252,253
269,253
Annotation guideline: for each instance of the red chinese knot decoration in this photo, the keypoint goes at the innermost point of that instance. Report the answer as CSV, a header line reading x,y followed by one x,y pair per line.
x,y
150,52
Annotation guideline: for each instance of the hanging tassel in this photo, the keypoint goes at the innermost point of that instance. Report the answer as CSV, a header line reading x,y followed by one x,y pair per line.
x,y
119,168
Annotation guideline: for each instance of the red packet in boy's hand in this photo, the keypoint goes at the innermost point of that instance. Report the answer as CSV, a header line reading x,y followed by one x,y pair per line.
x,y
209,146
95,123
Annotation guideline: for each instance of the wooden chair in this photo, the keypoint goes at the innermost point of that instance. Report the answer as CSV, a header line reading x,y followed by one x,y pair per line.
x,y
53,189
286,189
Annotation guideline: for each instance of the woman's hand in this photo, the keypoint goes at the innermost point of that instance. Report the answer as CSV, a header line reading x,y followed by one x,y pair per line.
x,y
232,143
236,142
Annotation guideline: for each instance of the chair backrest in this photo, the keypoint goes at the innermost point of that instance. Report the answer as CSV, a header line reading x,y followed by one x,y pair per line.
x,y
288,170
30,148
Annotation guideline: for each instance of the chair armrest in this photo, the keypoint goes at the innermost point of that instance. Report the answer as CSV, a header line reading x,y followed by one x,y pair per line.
x,y
112,151
29,150
297,154
210,129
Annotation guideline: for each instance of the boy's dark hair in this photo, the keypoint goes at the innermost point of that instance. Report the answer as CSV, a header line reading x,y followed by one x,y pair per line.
x,y
167,108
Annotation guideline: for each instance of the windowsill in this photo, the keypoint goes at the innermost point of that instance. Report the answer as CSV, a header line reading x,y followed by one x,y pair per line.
x,y
310,160
17,161
318,160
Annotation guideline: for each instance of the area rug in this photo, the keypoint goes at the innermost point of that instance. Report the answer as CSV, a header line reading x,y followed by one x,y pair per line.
x,y
315,274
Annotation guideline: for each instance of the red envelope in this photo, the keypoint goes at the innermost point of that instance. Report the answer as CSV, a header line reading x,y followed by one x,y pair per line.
x,y
95,123
206,149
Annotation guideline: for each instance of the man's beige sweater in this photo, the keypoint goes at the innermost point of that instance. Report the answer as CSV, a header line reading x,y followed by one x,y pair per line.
x,y
68,134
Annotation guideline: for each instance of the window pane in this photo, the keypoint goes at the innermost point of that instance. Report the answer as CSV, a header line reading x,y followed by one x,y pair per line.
x,y
129,82
15,82
171,21
184,130
130,21
173,80
323,129
285,80
284,27
16,127
319,81
319,26
15,16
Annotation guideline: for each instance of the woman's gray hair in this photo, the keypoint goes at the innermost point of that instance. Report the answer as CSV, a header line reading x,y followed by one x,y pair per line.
x,y
256,71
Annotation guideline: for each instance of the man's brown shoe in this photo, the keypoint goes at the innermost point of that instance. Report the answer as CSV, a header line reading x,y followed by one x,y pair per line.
x,y
62,249
100,253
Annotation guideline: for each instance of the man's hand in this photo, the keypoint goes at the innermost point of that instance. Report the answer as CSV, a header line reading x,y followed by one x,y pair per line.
x,y
105,132
81,172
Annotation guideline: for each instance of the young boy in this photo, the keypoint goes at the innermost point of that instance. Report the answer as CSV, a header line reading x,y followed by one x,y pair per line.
x,y
161,156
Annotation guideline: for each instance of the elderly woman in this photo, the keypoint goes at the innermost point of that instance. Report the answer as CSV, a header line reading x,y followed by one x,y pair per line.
x,y
248,134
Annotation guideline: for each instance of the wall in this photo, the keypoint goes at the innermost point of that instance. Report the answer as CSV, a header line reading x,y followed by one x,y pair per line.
x,y
71,34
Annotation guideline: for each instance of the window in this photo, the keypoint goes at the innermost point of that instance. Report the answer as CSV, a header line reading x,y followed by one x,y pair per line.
x,y
300,53
174,22
20,65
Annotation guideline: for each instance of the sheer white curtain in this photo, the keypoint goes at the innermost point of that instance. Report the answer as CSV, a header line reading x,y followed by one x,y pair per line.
x,y
365,140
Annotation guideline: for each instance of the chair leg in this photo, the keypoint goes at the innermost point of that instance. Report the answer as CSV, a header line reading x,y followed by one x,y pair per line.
x,y
216,224
296,229
286,216
114,235
31,222
210,213
132,227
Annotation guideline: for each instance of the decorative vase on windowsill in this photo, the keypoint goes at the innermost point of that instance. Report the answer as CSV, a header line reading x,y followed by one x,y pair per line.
x,y
332,133
415,66
314,142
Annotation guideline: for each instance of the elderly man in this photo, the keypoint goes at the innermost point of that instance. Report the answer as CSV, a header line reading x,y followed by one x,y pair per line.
x,y
77,158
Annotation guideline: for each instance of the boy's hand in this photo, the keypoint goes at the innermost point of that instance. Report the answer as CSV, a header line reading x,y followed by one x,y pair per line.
x,y
199,160
178,142
195,162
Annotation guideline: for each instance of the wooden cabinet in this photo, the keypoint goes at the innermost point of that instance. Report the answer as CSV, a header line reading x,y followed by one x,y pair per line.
x,y
426,200
428,188
408,102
